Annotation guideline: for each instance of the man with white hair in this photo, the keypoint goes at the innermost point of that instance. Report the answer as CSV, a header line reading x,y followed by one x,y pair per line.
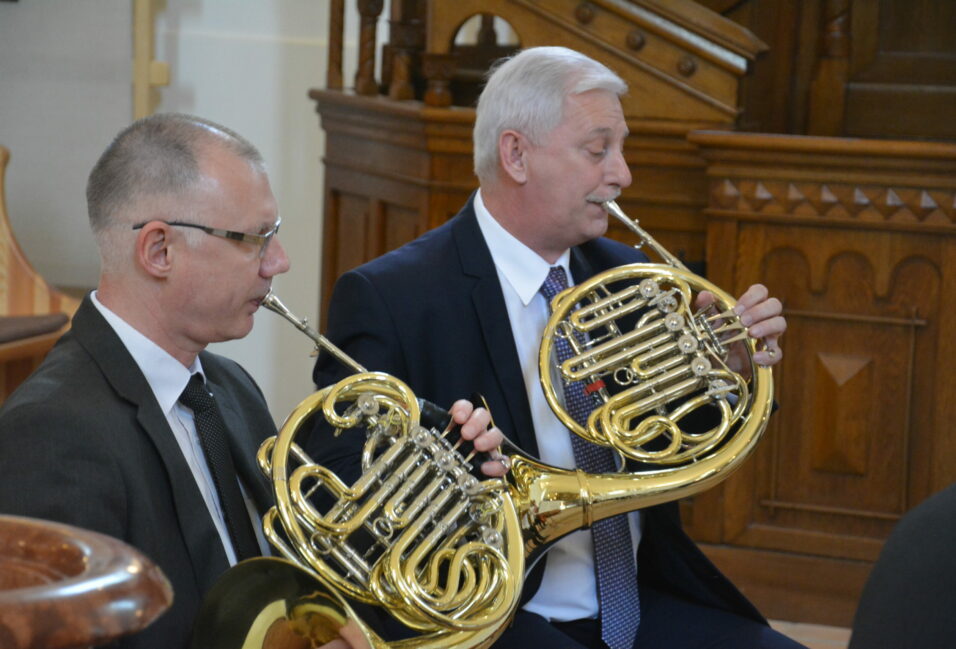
x,y
549,139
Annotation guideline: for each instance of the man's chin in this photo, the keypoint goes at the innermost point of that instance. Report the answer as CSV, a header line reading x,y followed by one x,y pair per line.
x,y
242,329
600,226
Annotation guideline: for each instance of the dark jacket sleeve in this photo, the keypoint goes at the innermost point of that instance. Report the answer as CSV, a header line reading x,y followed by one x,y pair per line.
x,y
359,324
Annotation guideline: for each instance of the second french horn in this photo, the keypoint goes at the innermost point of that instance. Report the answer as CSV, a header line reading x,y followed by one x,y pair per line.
x,y
650,360
418,535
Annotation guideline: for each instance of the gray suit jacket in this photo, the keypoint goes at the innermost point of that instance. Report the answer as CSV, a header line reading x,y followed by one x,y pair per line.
x,y
83,442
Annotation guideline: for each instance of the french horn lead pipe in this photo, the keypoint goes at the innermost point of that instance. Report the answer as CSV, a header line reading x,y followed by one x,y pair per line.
x,y
612,208
273,303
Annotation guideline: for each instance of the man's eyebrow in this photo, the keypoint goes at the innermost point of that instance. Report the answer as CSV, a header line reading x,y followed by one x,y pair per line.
x,y
607,130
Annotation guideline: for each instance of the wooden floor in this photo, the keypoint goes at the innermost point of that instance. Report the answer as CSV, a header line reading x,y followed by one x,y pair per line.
x,y
814,636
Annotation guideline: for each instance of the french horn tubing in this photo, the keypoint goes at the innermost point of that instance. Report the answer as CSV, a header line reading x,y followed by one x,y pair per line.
x,y
422,535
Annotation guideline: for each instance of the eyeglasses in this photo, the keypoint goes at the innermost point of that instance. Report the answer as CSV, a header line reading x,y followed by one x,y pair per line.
x,y
261,240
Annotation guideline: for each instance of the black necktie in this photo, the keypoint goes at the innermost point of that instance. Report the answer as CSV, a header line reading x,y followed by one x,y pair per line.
x,y
212,436
613,551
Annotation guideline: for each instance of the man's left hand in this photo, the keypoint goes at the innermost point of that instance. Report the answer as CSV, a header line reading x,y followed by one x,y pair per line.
x,y
761,314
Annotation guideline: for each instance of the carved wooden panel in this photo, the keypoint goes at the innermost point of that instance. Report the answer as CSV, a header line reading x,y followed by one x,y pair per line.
x,y
835,477
858,240
865,68
773,93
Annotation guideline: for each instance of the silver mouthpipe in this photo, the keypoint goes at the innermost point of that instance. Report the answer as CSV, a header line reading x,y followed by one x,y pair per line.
x,y
273,303
646,239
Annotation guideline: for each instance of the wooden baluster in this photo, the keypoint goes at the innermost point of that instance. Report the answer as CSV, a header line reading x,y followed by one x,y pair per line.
x,y
439,69
333,77
486,33
406,39
365,83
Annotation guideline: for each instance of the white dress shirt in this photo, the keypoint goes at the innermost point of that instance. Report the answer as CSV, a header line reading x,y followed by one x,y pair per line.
x,y
167,378
569,587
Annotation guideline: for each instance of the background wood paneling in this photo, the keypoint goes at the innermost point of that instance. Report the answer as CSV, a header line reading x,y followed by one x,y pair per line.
x,y
854,235
863,68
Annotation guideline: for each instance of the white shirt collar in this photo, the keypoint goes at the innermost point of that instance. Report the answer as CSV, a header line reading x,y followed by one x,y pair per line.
x,y
521,266
166,376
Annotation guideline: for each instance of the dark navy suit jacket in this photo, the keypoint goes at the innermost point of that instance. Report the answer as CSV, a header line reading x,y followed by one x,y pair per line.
x,y
432,313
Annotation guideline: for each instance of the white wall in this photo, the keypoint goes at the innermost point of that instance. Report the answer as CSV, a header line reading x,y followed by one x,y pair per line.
x,y
65,70
64,93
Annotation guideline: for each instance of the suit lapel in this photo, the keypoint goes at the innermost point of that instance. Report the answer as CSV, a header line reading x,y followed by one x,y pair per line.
x,y
206,553
581,267
492,316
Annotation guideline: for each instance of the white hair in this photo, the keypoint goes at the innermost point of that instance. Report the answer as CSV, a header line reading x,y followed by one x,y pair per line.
x,y
526,93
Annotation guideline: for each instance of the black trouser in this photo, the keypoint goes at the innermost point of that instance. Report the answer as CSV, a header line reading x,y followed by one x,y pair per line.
x,y
666,622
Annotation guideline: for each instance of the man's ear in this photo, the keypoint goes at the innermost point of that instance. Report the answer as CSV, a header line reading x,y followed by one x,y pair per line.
x,y
512,152
153,253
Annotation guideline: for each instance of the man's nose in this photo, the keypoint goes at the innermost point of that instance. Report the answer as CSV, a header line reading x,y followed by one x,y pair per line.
x,y
275,261
619,173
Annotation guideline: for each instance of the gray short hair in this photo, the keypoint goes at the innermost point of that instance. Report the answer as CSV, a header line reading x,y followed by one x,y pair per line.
x,y
526,93
155,156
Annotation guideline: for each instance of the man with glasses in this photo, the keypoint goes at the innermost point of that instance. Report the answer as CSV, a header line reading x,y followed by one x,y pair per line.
x,y
131,428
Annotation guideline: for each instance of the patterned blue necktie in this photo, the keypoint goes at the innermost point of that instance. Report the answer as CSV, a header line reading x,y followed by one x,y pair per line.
x,y
613,551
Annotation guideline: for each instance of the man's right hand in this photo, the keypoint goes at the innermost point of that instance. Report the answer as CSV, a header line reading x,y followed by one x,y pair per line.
x,y
474,424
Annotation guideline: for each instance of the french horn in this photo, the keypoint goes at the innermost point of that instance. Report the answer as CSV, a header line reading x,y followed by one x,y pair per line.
x,y
421,535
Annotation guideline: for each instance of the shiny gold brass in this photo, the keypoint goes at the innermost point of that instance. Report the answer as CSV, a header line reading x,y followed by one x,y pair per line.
x,y
650,361
418,535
